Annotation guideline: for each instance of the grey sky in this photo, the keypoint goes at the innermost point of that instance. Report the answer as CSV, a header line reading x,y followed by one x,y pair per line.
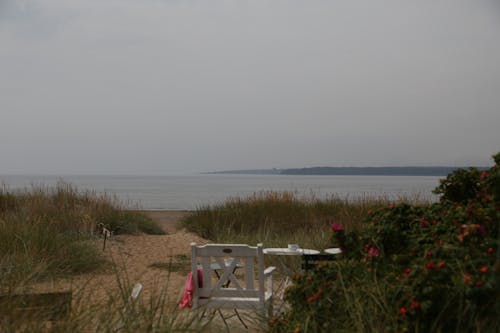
x,y
181,86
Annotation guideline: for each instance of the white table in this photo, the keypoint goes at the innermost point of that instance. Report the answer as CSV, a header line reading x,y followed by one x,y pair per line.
x,y
333,250
280,254
279,251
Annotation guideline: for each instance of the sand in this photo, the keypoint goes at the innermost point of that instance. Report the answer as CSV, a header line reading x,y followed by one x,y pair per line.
x,y
135,257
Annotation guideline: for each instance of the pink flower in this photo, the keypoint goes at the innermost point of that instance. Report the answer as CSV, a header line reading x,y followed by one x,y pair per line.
x,y
337,227
373,252
481,230
424,224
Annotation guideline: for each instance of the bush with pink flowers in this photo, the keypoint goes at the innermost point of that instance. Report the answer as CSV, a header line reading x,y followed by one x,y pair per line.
x,y
433,268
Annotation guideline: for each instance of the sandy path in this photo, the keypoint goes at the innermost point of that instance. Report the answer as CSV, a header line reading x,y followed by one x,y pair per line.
x,y
134,255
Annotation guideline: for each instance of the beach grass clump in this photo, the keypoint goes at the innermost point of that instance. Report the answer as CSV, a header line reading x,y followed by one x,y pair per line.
x,y
279,218
410,268
49,232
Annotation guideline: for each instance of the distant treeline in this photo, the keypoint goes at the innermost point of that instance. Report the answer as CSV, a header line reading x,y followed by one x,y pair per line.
x,y
372,171
353,171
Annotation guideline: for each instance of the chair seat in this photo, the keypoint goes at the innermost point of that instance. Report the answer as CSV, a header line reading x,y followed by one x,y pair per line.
x,y
234,302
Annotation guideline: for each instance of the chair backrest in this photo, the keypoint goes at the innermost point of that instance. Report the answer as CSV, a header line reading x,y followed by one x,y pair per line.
x,y
221,264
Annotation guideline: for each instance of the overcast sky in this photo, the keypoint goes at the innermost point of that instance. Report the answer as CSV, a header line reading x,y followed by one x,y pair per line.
x,y
183,86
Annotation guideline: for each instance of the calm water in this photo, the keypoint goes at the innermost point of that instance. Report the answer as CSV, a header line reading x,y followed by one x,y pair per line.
x,y
193,191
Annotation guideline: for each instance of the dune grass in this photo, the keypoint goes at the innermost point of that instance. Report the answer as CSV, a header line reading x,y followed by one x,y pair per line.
x,y
50,231
279,218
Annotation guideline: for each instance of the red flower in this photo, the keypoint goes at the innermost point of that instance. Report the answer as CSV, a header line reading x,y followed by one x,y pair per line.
x,y
430,265
392,206
311,299
467,278
406,273
370,211
490,250
315,296
484,269
403,311
478,283
442,264
415,305
428,254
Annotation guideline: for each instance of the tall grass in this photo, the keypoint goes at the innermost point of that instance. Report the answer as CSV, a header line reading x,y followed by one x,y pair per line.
x,y
50,230
279,218
117,312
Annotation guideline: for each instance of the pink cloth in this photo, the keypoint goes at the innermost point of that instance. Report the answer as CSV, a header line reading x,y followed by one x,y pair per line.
x,y
187,300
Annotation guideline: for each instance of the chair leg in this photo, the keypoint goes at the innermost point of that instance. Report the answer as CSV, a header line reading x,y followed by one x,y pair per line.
x,y
270,309
223,319
239,317
236,313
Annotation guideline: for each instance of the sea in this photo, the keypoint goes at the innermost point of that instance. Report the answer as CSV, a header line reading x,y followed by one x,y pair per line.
x,y
191,192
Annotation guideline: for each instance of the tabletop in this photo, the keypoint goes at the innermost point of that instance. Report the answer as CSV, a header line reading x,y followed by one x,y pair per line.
x,y
333,250
288,252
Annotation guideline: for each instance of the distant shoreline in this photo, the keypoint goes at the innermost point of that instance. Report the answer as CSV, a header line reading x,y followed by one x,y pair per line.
x,y
351,171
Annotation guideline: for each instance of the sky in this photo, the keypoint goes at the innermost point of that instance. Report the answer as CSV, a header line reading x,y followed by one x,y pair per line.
x,y
187,86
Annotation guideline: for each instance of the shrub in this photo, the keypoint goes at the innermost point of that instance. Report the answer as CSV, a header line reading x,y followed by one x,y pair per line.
x,y
431,268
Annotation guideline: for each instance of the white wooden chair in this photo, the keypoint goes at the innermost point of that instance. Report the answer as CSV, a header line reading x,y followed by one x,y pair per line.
x,y
225,289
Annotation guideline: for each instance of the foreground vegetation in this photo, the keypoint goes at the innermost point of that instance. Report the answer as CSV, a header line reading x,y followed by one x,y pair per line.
x,y
48,233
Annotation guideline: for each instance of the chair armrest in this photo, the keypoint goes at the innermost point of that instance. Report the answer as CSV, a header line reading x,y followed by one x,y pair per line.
x,y
268,271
